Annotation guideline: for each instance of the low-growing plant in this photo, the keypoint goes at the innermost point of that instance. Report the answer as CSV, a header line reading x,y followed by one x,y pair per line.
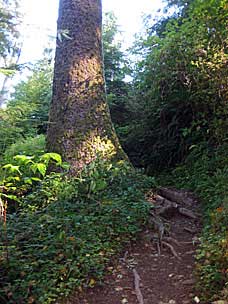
x,y
67,244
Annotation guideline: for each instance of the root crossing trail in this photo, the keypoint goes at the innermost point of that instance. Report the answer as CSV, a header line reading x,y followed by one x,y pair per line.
x,y
154,270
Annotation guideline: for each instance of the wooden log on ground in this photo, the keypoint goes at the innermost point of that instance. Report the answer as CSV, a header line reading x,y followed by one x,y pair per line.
x,y
187,213
167,209
159,199
176,196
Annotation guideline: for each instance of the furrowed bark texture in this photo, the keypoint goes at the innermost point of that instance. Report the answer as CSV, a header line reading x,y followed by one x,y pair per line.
x,y
79,119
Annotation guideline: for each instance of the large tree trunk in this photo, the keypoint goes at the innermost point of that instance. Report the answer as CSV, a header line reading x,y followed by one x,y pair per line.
x,y
79,125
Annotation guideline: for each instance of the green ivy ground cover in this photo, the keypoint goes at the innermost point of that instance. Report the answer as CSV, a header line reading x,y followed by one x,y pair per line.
x,y
51,251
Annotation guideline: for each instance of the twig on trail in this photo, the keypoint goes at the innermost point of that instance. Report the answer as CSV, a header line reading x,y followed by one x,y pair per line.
x,y
124,258
195,241
171,239
158,247
190,230
171,249
137,287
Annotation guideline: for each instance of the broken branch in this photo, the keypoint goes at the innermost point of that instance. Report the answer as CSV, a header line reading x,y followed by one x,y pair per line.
x,y
171,249
170,239
137,287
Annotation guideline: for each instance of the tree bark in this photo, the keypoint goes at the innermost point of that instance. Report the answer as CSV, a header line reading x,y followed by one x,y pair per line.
x,y
80,127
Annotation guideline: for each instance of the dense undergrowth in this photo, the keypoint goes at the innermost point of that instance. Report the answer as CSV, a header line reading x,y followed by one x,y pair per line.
x,y
205,172
172,116
66,231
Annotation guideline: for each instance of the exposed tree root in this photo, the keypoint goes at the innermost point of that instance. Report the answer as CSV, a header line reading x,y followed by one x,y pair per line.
x,y
158,225
172,240
172,202
158,248
137,287
190,230
171,249
187,213
166,204
167,209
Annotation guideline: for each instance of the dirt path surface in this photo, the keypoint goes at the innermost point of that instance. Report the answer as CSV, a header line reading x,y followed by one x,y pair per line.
x,y
165,278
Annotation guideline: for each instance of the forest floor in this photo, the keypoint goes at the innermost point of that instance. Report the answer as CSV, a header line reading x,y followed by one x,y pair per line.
x,y
142,275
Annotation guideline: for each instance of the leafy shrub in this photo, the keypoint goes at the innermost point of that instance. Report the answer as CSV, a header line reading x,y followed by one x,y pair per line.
x,y
18,178
67,244
212,268
30,146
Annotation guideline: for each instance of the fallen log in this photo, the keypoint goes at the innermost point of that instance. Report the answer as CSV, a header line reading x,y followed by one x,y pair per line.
x,y
187,213
176,196
167,209
159,199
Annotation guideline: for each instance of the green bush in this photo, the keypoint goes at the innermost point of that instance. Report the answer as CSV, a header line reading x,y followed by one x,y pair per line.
x,y
67,244
30,146
18,178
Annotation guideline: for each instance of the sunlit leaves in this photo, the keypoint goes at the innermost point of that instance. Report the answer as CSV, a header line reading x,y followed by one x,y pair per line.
x,y
40,167
23,159
51,156
11,168
17,179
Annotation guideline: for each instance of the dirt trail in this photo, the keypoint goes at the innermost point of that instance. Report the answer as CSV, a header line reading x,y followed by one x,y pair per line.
x,y
164,278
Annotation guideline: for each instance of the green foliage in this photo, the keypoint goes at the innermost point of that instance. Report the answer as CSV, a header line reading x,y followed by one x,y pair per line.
x,y
69,243
181,85
8,30
33,97
213,256
114,59
173,114
17,178
26,114
116,68
29,146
